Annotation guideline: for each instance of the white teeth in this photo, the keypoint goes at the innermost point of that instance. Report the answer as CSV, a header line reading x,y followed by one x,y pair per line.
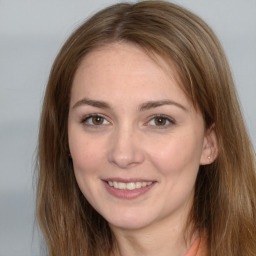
x,y
138,184
115,184
121,185
129,185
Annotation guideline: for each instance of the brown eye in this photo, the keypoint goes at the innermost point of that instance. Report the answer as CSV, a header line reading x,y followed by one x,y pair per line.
x,y
159,121
95,120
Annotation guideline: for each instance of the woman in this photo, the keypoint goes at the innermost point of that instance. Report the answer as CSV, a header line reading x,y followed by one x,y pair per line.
x,y
142,147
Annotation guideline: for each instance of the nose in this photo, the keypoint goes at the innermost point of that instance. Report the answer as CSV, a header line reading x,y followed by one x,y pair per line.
x,y
125,150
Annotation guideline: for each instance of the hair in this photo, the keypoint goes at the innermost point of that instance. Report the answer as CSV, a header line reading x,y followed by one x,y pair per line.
x,y
225,191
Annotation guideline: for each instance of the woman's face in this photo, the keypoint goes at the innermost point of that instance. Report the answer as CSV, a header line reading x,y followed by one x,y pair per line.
x,y
135,139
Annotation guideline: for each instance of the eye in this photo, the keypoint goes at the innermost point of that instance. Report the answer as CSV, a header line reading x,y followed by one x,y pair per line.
x,y
95,120
161,121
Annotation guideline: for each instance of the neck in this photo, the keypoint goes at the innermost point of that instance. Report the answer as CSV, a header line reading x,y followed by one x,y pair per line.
x,y
162,239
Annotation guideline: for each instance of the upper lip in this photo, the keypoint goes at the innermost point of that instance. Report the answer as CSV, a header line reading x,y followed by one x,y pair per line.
x,y
118,179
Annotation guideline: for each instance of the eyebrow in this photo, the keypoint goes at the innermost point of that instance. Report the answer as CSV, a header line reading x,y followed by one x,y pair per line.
x,y
143,107
154,104
93,103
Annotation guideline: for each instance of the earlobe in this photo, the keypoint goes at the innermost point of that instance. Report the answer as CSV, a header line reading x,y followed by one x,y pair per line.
x,y
210,147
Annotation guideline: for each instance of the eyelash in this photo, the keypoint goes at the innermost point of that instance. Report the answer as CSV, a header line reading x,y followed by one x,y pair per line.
x,y
88,117
164,118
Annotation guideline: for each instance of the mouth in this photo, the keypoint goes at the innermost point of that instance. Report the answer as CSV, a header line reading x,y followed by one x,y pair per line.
x,y
128,189
129,185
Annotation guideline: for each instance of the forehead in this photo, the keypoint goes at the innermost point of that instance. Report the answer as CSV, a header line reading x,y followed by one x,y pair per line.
x,y
127,53
123,69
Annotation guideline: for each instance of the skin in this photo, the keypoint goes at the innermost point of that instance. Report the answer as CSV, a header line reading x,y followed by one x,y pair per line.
x,y
127,141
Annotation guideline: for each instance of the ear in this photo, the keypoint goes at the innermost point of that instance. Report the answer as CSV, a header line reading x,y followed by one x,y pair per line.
x,y
210,147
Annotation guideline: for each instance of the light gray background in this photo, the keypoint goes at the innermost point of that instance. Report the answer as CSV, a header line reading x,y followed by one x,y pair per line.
x,y
31,33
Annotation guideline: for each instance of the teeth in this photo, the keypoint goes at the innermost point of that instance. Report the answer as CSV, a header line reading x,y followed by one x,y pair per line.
x,y
129,185
138,184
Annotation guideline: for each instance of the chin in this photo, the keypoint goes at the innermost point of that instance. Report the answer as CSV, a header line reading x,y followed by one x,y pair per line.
x,y
129,221
127,225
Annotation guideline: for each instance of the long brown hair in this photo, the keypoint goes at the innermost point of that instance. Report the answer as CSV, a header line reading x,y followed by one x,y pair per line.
x,y
225,192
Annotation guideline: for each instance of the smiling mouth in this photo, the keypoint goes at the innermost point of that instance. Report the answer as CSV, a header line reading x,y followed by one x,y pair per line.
x,y
128,188
129,185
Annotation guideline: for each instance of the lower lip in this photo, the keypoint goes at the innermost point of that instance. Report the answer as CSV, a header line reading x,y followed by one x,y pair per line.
x,y
127,194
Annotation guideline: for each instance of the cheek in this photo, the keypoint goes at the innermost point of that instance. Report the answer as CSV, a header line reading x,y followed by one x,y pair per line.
x,y
87,157
86,154
178,154
84,160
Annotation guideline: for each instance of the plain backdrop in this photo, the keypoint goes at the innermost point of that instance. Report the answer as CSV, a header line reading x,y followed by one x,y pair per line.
x,y
31,33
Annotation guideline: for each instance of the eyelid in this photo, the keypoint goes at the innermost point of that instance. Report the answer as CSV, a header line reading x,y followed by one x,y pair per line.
x,y
87,117
168,118
171,121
